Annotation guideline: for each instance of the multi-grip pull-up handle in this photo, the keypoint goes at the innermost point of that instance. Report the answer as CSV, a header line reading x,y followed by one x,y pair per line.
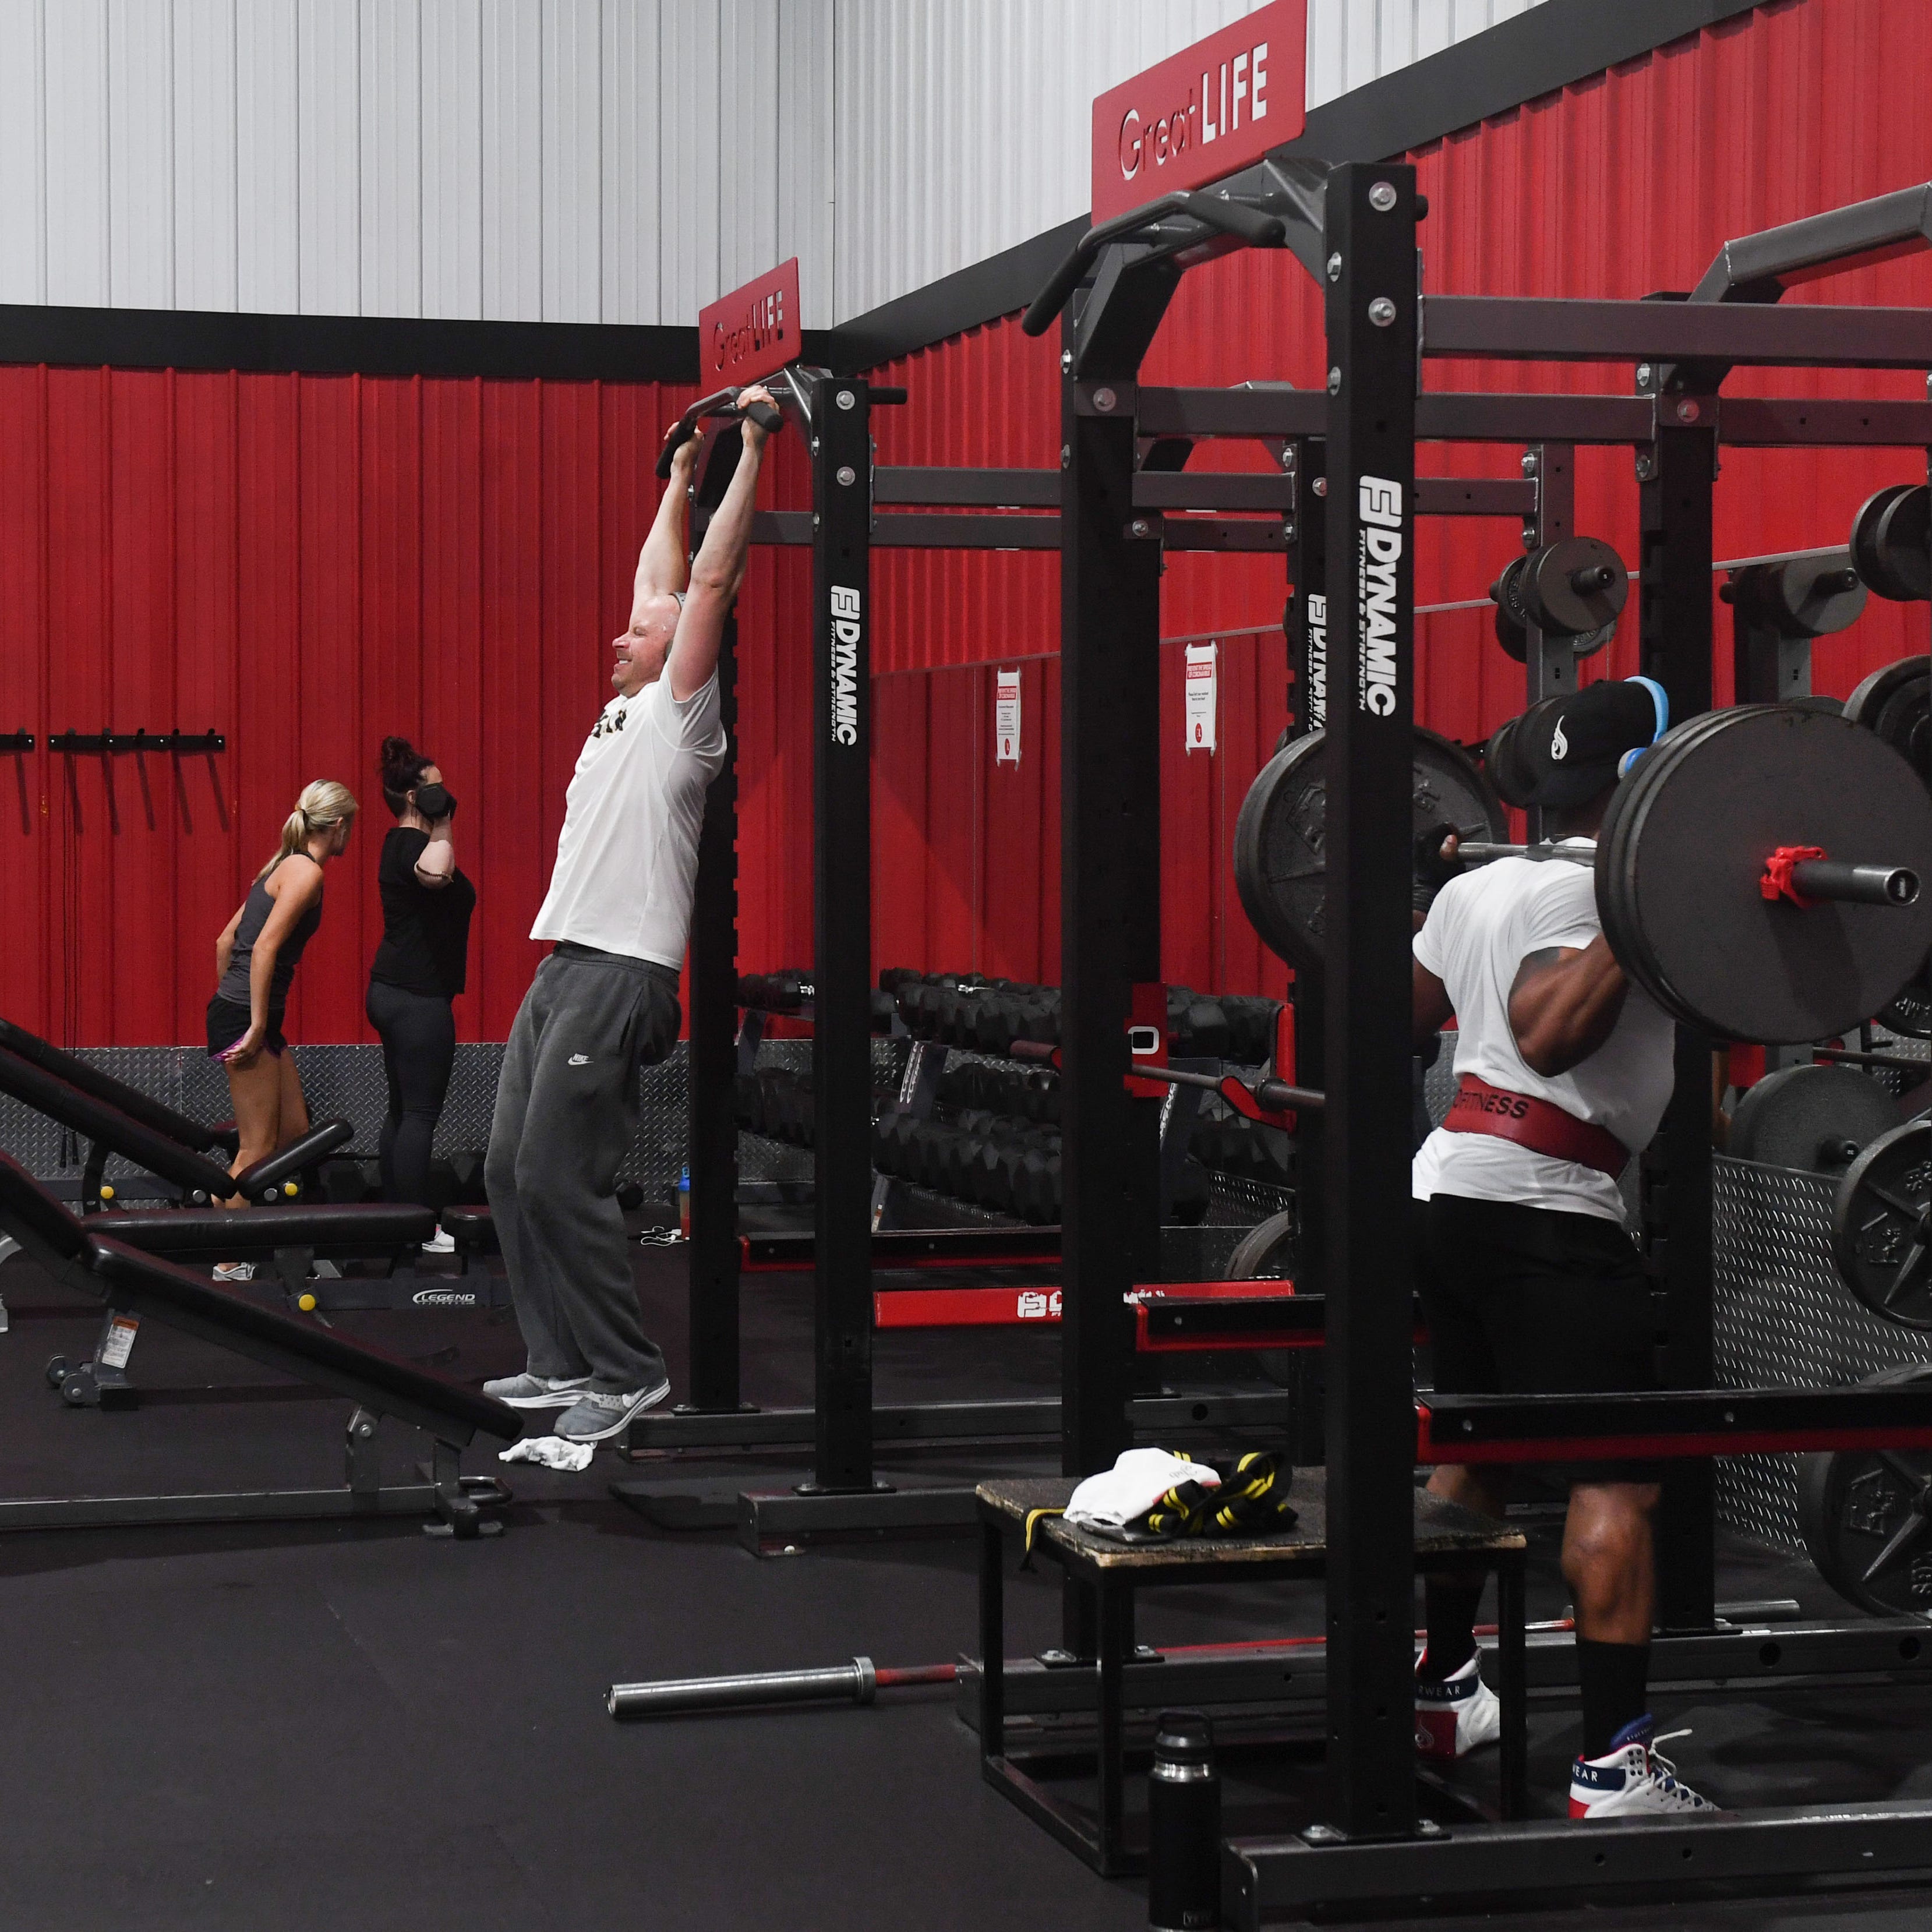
x,y
1229,217
723,406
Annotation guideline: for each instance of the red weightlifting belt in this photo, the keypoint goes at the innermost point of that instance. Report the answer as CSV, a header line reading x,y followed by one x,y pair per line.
x,y
1539,1125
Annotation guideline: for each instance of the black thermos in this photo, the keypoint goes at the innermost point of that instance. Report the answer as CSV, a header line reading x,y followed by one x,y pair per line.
x,y
1183,1826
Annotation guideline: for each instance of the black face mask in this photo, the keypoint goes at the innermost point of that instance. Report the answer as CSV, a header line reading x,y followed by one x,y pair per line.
x,y
433,802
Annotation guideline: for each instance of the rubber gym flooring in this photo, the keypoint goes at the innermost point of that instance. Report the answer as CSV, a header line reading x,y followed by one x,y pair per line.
x,y
327,1726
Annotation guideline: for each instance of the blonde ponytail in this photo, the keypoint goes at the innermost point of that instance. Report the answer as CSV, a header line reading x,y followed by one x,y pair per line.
x,y
322,806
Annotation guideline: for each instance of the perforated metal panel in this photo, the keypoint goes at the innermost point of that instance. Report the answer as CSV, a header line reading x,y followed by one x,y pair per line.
x,y
1782,1319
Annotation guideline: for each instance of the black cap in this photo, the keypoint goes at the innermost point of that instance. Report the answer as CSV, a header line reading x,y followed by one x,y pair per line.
x,y
1568,749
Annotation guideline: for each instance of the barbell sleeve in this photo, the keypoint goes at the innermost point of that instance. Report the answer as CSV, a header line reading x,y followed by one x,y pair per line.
x,y
1856,885
685,1696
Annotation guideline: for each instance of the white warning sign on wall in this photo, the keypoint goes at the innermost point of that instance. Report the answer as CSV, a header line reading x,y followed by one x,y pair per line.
x,y
1006,718
1201,696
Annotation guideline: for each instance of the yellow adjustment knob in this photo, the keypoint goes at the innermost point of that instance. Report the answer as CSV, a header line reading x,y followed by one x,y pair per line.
x,y
290,1189
106,1191
306,1302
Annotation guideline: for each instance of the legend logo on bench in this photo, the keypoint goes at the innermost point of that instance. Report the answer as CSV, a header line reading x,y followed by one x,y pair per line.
x,y
1037,1305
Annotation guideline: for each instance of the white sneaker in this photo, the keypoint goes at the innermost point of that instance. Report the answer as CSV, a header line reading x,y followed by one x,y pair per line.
x,y
235,1271
1632,1778
441,1243
529,1391
1455,1715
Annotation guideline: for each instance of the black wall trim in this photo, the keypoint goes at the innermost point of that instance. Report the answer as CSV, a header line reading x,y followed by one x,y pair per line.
x,y
1549,47
330,345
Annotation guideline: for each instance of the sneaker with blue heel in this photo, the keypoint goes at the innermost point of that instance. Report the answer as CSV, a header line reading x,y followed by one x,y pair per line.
x,y
1453,1714
1632,1779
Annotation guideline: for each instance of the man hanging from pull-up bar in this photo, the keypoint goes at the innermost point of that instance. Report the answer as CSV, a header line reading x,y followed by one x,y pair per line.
x,y
604,1003
1530,1283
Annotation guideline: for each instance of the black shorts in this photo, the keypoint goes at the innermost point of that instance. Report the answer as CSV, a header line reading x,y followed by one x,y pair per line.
x,y
227,1022
1533,1301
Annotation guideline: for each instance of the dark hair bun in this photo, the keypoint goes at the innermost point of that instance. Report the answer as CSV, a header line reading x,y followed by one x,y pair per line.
x,y
397,751
402,767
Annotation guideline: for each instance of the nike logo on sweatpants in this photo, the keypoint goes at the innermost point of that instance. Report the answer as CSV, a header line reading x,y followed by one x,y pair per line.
x,y
580,1060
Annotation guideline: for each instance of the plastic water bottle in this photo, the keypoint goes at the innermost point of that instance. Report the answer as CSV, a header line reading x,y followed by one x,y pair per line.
x,y
1183,1826
684,1202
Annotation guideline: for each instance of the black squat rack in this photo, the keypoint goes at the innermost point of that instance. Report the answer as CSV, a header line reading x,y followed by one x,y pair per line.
x,y
1354,228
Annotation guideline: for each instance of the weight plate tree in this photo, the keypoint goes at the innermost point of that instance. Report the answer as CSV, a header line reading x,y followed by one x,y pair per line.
x,y
1866,1517
1280,854
1818,1118
1889,542
1882,1225
1685,853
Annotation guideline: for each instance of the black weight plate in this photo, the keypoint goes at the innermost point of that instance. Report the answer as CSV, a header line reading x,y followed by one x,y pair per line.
x,y
1901,722
1867,559
1870,693
1515,640
1280,845
1265,1252
1861,1513
1550,594
1910,1012
1898,544
1678,885
1626,938
1817,1118
1882,1225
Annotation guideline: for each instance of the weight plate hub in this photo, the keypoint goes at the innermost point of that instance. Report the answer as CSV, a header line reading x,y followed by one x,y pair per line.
x,y
1573,590
1815,1117
1866,1517
1684,846
1280,842
1882,1225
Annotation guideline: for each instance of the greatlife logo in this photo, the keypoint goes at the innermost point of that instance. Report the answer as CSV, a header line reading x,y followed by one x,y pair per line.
x,y
847,630
1377,553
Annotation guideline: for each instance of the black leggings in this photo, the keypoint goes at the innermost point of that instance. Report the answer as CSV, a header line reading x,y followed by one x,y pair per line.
x,y
418,1034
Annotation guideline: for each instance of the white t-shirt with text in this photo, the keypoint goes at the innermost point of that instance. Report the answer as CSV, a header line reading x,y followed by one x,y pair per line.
x,y
1484,924
627,856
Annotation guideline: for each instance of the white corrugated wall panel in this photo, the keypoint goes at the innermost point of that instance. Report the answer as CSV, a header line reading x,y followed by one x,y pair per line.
x,y
452,159
74,35
205,177
618,160
267,159
389,149
23,155
571,218
628,160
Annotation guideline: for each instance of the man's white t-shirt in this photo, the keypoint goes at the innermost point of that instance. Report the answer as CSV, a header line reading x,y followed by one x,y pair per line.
x,y
1483,925
627,856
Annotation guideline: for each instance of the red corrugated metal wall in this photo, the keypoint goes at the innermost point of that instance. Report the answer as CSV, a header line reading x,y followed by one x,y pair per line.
x,y
306,563
1624,184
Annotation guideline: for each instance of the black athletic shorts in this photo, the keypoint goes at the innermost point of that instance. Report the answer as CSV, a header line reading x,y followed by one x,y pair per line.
x,y
227,1021
1533,1301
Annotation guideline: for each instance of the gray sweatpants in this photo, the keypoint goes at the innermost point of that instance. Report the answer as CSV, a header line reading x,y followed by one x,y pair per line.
x,y
566,1114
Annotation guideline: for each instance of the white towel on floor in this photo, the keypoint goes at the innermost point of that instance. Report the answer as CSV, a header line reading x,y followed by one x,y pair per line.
x,y
1136,1482
550,1450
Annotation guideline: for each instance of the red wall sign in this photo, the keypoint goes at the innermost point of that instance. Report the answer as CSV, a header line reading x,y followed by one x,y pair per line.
x,y
1207,112
753,332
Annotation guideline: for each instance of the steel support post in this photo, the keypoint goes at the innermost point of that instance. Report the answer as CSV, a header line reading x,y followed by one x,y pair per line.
x,y
1549,664
1372,313
1675,477
842,1047
1307,622
1110,869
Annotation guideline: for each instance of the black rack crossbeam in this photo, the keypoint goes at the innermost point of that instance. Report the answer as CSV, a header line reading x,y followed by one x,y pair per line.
x,y
143,740
1542,328
16,741
1209,490
969,489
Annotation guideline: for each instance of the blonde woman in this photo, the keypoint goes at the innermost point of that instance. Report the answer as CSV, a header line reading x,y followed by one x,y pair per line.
x,y
254,962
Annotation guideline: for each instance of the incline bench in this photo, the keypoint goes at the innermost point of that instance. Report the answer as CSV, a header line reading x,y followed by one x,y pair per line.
x,y
75,1253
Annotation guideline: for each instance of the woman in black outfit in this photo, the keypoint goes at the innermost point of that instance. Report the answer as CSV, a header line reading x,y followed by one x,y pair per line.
x,y
420,967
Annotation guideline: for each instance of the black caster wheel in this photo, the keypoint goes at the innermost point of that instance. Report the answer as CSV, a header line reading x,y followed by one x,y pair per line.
x,y
56,1371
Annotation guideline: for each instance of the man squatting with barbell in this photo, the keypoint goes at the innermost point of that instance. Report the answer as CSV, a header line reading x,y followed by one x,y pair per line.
x,y
604,1003
1530,1283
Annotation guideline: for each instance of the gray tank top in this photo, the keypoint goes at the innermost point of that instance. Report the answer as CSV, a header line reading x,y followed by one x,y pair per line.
x,y
255,912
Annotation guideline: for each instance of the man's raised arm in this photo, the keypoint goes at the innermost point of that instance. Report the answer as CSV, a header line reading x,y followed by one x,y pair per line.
x,y
662,563
719,567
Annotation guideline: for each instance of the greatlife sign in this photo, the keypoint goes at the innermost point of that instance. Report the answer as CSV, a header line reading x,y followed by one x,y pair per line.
x,y
1204,113
753,332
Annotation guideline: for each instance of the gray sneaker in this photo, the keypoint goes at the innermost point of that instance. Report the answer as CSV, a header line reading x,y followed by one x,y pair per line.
x,y
529,1391
597,1417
